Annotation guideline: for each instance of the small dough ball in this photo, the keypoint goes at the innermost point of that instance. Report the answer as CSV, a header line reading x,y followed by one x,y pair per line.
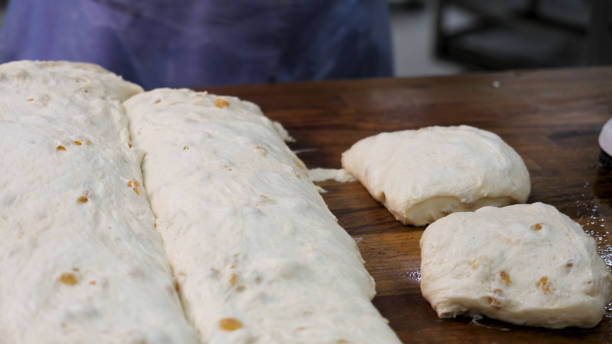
x,y
423,175
527,264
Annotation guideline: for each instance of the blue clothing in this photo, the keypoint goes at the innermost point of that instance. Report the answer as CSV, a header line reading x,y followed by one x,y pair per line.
x,y
176,43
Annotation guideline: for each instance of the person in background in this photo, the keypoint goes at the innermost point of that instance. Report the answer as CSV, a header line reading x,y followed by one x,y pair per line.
x,y
173,43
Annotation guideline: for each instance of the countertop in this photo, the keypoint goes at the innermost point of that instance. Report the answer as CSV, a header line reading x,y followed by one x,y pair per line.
x,y
552,118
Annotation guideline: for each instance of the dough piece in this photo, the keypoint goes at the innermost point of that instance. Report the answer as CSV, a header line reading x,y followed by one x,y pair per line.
x,y
323,174
527,264
258,255
422,175
80,260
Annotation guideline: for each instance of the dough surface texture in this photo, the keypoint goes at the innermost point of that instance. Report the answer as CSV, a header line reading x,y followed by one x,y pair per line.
x,y
80,260
258,255
526,264
422,175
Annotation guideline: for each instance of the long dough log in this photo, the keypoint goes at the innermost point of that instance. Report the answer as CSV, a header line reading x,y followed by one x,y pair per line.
x,y
80,260
258,255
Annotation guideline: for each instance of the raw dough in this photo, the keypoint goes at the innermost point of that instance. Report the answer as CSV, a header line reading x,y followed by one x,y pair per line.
x,y
323,174
80,260
524,264
422,175
258,255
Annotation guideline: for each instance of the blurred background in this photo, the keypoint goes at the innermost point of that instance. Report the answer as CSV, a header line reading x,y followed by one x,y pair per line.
x,y
435,37
450,36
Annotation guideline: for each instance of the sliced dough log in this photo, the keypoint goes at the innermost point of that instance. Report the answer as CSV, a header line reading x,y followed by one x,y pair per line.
x,y
525,264
80,260
422,175
258,255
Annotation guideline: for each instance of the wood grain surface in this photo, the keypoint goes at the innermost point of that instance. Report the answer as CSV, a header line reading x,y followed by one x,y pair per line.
x,y
552,118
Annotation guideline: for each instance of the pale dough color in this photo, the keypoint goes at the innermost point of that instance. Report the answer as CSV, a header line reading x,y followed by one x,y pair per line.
x,y
524,264
323,174
422,175
258,255
79,259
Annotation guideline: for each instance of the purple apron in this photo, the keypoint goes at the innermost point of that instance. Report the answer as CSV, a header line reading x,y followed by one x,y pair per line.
x,y
175,43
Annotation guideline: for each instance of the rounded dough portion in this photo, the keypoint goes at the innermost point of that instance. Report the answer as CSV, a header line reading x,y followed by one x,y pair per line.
x,y
423,175
526,264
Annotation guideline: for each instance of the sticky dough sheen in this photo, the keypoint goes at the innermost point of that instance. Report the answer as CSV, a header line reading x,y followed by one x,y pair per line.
x,y
258,255
525,264
80,260
422,175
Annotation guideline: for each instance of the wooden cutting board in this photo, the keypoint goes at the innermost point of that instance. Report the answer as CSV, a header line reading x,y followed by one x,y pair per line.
x,y
552,118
